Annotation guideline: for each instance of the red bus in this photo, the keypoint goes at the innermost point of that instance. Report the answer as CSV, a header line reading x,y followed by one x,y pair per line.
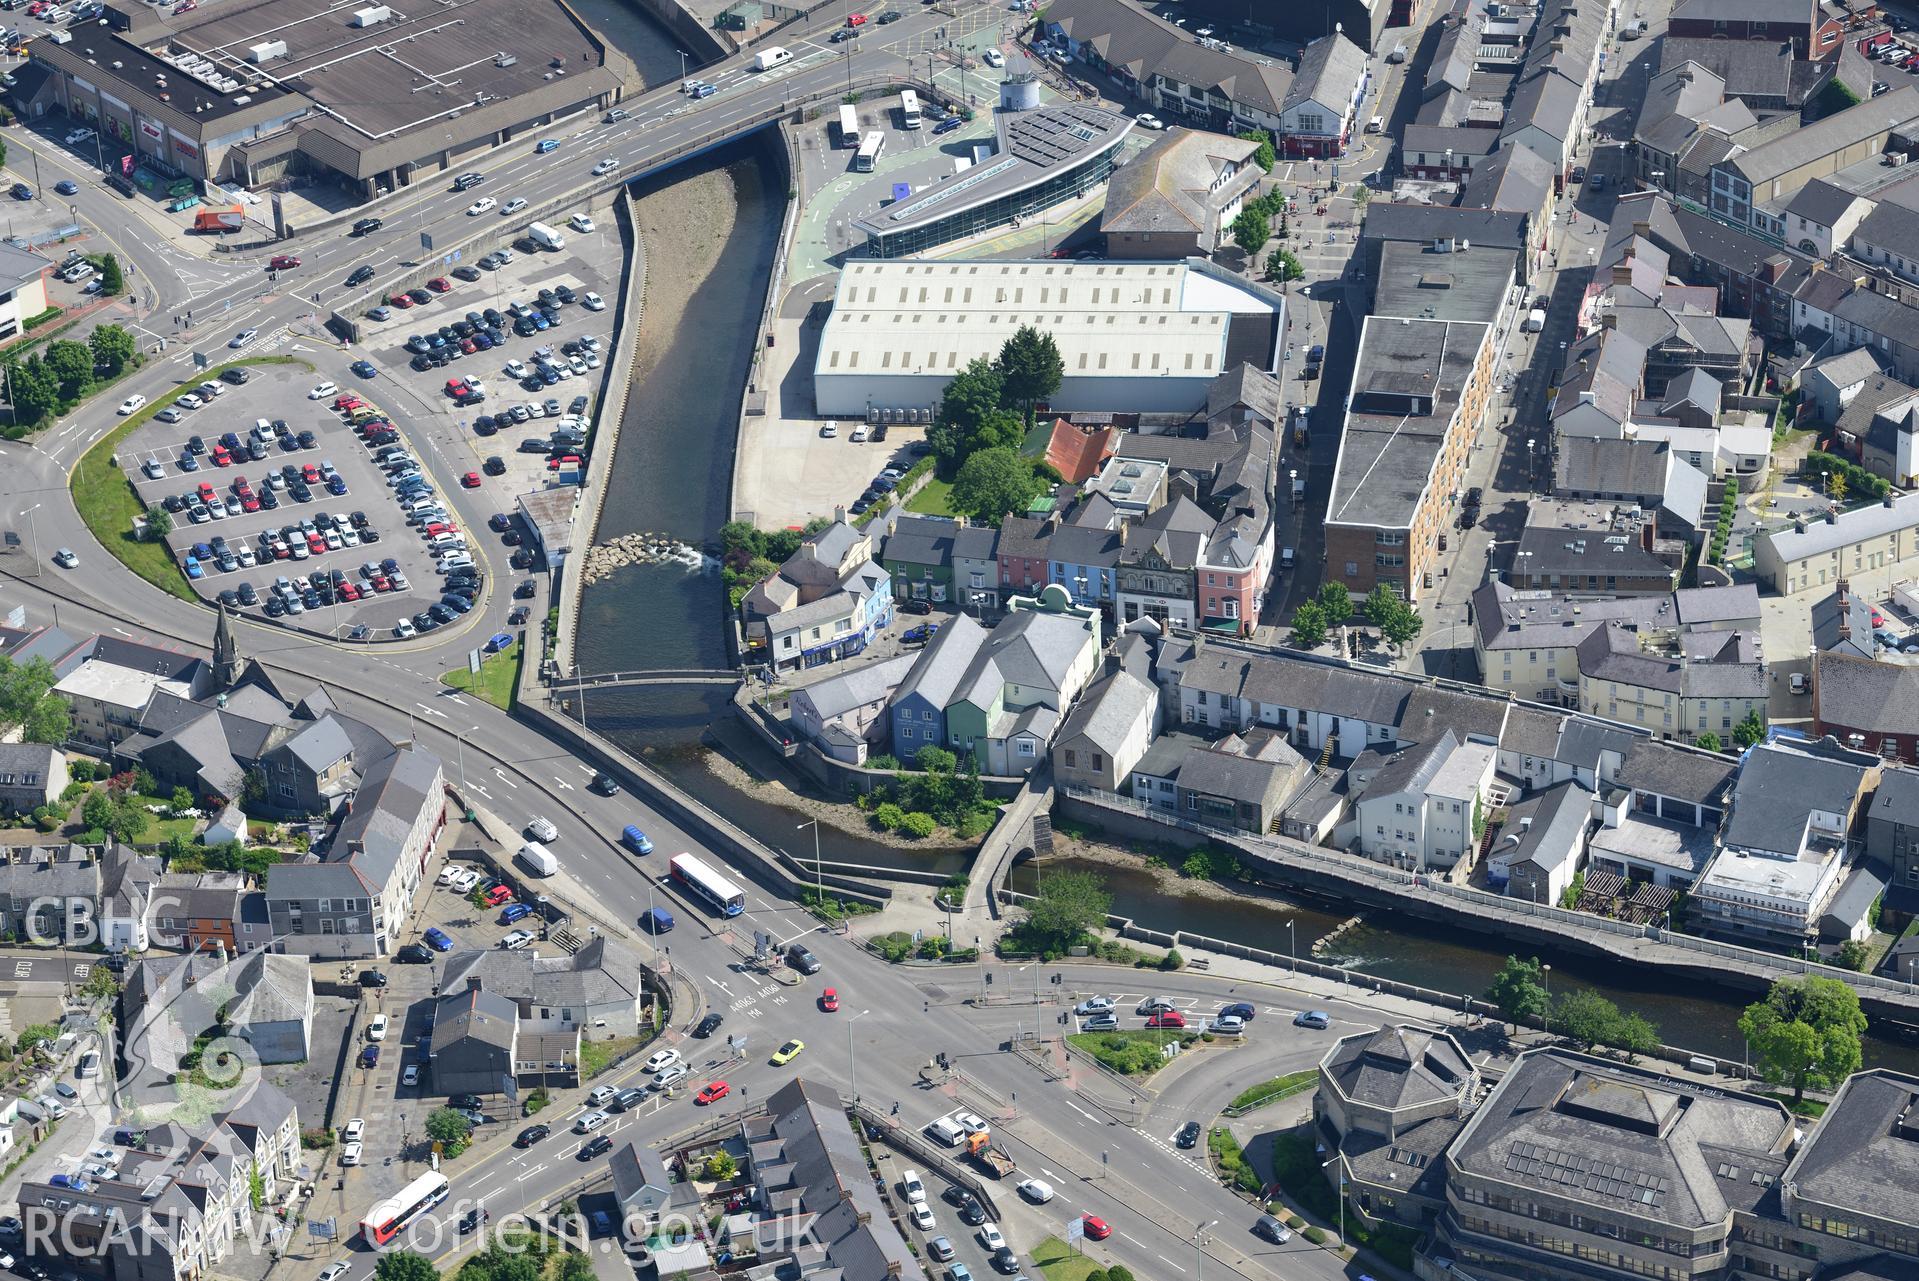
x,y
385,1220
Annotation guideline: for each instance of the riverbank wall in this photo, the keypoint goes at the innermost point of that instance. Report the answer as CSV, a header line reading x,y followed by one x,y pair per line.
x,y
1296,867
702,42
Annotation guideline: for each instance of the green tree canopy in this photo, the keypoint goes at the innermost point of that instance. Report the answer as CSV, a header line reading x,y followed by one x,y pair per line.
x,y
992,483
444,1125
1806,1033
1068,905
113,347
1309,625
33,389
71,364
1282,265
1750,731
1519,990
1031,368
28,703
405,1265
1335,602
1251,231
1265,157
1397,621
970,396
111,279
1709,741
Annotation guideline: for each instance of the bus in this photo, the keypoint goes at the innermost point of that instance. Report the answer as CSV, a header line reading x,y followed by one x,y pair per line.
x,y
708,886
385,1220
849,126
870,147
909,109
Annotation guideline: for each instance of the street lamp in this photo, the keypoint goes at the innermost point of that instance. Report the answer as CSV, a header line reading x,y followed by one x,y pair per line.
x,y
1292,948
1547,969
1342,1196
33,530
819,877
854,1078
1529,464
1199,1237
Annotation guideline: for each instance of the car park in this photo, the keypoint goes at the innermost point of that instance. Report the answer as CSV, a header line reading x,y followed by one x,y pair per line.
x,y
1313,1019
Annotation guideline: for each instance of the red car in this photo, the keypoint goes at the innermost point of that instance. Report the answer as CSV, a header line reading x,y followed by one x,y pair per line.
x,y
713,1092
471,480
1097,1229
221,458
379,583
401,301
855,19
316,544
497,895
205,491
830,999
1167,1018
569,460
349,591
310,474
249,503
345,401
282,262
439,284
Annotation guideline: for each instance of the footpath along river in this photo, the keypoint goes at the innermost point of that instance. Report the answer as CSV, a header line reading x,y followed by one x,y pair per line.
x,y
711,232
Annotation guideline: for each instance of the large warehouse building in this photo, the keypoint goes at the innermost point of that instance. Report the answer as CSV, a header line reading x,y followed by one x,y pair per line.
x,y
250,91
1147,337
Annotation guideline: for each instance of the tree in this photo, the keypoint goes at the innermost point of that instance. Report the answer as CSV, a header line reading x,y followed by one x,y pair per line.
x,y
1282,265
404,1265
113,346
182,799
33,390
721,1165
28,703
128,823
1709,741
1251,231
444,1125
1806,1033
71,364
1519,990
159,522
992,483
1853,955
1397,621
970,396
1585,1016
1031,367
919,825
101,984
97,810
1749,731
111,281
1067,906
1335,601
1309,625
253,788
1265,157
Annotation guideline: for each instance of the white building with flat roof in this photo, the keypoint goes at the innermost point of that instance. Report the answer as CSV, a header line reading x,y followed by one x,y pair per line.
x,y
108,698
1143,336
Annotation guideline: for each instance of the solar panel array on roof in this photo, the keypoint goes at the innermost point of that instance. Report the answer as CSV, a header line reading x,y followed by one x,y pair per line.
x,y
1602,1178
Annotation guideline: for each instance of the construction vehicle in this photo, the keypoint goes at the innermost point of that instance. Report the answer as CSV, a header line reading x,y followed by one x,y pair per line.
x,y
220,221
988,1155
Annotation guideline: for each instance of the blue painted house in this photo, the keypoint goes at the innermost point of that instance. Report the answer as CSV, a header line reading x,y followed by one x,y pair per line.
x,y
918,708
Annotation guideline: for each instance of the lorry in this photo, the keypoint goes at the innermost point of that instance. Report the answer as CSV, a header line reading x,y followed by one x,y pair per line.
x,y
219,222
539,859
545,237
988,1155
767,59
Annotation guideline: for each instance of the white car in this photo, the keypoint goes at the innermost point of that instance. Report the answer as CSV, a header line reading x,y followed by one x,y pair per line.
x,y
411,1076
324,389
1147,120
516,370
242,338
132,403
448,874
353,1131
516,940
79,136
605,166
672,1076
335,1271
1094,1005
376,1030
991,1237
923,1217
592,301
662,1060
65,558
480,206
912,1188
994,58
468,879
970,1122
403,629
512,206
581,223
1038,1191
590,1122
350,1154
188,401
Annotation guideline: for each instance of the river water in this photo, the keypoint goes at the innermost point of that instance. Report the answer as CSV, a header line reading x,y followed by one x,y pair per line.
x,y
672,475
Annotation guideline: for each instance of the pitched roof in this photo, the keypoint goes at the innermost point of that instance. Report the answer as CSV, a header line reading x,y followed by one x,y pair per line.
x,y
394,791
856,686
1821,536
1897,800
1077,452
1028,648
1864,695
1329,72
1685,774
942,665
1143,45
1109,710
1778,788
1864,1155
920,540
1175,184
1825,137
1400,1066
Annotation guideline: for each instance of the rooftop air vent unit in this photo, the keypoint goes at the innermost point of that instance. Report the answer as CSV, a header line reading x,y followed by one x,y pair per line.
x,y
267,51
370,16
505,60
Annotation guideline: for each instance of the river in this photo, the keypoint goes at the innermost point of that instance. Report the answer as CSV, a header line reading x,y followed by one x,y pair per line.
x,y
713,228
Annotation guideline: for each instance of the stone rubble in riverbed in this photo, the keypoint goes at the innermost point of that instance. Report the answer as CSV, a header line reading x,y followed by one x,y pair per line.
x,y
639,548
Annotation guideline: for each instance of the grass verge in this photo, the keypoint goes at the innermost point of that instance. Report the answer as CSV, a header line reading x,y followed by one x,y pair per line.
x,y
498,677
1057,1260
106,500
1268,1091
1296,1169
1133,1053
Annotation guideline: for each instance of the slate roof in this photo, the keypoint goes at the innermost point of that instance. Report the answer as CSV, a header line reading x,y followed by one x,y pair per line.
x,y
1411,769
1704,778
1515,178
1175,184
1144,45
1249,769
1399,1066
1414,223
1779,156
1864,695
1109,710
1178,531
1778,788
1468,716
1028,648
1549,103
1601,465
1897,800
1329,71
857,686
920,540
1819,536
1751,69
1559,817
473,1014
600,973
1863,1157
937,672
394,791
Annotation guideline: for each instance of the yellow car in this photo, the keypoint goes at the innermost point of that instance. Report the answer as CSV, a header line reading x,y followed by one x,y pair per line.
x,y
787,1053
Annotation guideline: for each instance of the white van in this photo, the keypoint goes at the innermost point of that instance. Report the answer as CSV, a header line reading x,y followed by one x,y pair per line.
x,y
1286,558
1398,54
767,59
947,1131
546,237
539,858
912,1188
1535,320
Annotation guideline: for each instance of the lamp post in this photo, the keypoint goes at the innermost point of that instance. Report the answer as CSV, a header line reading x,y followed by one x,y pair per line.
x,y
1547,969
1342,1196
854,1077
459,741
1199,1238
1292,948
33,531
1529,464
819,877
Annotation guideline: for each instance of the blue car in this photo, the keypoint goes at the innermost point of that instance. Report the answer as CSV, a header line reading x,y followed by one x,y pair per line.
x,y
437,940
948,125
515,912
370,1056
636,840
546,145
701,89
189,463
193,568
365,369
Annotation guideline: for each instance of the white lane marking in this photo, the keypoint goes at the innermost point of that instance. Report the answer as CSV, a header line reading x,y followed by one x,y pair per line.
x,y
1083,1112
1169,1263
529,1174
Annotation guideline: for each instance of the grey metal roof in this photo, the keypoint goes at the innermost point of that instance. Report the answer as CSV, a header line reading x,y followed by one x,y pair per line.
x,y
1821,536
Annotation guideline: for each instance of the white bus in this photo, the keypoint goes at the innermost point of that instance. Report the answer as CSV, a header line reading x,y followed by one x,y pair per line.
x,y
385,1220
707,885
909,109
870,147
849,126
